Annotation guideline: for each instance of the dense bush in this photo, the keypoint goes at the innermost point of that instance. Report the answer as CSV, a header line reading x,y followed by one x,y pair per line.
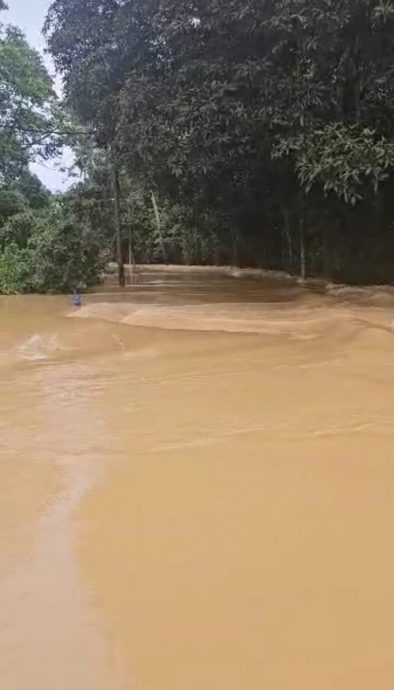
x,y
15,270
17,230
64,255
48,253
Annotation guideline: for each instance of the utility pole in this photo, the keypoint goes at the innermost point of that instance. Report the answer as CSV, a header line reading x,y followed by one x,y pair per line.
x,y
302,250
135,275
118,227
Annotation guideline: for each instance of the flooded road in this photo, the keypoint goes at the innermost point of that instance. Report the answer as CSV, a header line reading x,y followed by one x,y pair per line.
x,y
197,487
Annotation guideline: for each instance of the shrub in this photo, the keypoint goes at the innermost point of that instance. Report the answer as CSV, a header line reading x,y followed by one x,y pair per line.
x,y
64,255
15,270
48,253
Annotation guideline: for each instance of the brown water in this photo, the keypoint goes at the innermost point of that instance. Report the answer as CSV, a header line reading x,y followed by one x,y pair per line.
x,y
197,488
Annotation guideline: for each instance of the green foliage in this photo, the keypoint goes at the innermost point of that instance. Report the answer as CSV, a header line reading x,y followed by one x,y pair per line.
x,y
17,230
26,102
15,270
11,202
63,255
343,159
251,119
24,193
35,195
48,252
44,246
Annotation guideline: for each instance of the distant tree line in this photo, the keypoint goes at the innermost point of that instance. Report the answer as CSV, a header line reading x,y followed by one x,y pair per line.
x,y
264,127
248,132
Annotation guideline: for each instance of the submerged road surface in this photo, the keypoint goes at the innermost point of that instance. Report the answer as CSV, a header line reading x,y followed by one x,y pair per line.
x,y
197,487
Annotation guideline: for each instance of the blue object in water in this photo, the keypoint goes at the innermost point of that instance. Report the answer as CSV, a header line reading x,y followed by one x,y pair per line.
x,y
77,299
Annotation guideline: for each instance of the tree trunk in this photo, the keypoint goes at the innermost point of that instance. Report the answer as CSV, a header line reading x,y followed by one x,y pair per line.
x,y
131,259
118,227
303,272
158,224
135,275
234,242
288,239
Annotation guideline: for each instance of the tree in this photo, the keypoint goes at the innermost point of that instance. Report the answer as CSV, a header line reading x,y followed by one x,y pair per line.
x,y
51,251
26,105
274,118
63,254
44,245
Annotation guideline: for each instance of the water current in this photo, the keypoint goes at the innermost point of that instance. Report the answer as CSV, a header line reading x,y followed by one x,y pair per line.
x,y
197,487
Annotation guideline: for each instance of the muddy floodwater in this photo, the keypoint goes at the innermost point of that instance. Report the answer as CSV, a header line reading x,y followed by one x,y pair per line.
x,y
197,487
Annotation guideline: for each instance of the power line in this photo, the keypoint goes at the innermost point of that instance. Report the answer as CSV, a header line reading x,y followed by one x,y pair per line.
x,y
49,132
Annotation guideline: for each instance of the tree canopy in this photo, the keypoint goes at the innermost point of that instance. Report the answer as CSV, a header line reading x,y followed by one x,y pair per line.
x,y
43,245
27,104
263,114
257,132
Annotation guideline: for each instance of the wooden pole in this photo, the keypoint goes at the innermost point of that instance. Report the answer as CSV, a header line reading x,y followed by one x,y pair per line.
x,y
134,272
302,249
118,227
288,239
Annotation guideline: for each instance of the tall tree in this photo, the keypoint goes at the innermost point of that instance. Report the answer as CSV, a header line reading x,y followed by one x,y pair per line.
x,y
27,103
272,115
